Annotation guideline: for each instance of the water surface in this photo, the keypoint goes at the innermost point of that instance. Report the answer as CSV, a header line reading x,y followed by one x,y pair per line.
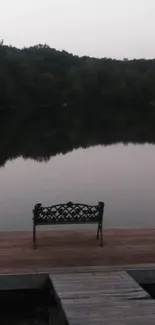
x,y
123,176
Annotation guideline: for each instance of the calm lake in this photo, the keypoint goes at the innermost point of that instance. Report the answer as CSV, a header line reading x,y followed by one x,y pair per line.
x,y
123,176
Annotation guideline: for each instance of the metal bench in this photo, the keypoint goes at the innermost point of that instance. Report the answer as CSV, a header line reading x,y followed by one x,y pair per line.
x,y
69,213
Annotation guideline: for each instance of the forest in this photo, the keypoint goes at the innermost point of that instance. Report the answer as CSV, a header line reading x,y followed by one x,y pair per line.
x,y
39,76
52,101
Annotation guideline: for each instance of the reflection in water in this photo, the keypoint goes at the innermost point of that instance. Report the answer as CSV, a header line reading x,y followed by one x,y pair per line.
x,y
34,169
123,176
42,133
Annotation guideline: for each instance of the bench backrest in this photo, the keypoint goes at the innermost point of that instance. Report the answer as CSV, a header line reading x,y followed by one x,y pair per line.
x,y
68,213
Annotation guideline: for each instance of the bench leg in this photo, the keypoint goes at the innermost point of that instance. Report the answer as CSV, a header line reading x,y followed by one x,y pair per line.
x,y
101,235
34,237
98,229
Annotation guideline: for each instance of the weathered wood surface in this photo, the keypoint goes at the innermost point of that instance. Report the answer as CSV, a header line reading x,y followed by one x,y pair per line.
x,y
75,248
107,298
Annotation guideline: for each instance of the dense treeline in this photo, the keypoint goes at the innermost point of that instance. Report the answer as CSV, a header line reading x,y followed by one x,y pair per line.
x,y
52,101
40,76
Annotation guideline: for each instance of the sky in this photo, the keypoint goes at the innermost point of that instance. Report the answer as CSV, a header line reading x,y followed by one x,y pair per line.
x,y
100,28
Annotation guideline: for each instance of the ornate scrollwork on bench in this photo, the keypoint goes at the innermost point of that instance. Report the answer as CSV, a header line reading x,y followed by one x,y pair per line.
x,y
69,213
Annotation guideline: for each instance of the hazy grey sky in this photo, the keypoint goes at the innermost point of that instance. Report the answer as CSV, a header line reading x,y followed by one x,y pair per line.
x,y
112,28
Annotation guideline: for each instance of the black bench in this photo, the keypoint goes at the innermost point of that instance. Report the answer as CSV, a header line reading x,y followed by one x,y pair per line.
x,y
69,213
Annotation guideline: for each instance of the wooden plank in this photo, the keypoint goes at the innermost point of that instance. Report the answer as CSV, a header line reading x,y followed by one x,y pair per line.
x,y
103,298
75,248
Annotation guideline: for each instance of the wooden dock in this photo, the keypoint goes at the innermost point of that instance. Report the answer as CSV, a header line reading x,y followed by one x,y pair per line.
x,y
90,282
107,298
75,248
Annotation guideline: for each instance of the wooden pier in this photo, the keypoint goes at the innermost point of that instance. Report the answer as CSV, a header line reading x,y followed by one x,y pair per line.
x,y
75,248
107,298
91,283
